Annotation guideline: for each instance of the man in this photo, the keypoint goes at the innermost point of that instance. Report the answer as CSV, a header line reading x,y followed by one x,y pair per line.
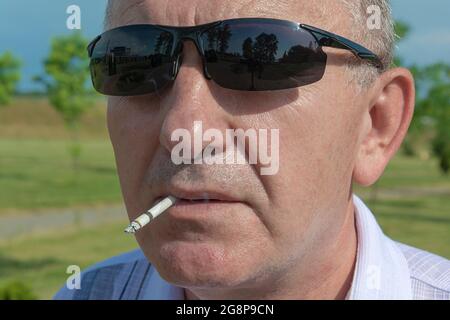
x,y
297,234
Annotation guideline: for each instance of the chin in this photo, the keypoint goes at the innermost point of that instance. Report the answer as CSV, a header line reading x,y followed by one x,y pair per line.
x,y
202,264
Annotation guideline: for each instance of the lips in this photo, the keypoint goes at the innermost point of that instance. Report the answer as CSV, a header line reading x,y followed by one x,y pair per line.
x,y
193,204
194,201
197,196
203,209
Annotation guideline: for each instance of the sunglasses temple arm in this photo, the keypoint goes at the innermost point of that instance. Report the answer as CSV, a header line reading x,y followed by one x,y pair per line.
x,y
328,39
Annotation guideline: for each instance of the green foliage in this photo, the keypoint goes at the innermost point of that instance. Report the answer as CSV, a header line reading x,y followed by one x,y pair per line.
x,y
441,148
16,290
433,109
67,73
9,76
401,29
431,121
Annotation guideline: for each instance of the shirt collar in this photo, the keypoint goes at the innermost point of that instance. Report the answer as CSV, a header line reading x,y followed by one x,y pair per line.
x,y
381,270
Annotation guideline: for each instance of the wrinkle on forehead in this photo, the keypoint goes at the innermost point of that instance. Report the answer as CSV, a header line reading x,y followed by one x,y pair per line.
x,y
329,14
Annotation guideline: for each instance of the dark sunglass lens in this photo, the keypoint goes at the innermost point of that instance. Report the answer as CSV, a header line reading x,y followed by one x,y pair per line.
x,y
132,60
262,55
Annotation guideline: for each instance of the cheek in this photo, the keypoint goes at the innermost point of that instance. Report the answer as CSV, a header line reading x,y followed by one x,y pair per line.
x,y
130,123
316,147
134,137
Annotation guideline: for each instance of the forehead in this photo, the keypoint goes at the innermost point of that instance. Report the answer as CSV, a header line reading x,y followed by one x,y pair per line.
x,y
329,14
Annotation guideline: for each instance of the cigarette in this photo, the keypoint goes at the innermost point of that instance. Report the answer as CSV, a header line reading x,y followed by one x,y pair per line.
x,y
151,214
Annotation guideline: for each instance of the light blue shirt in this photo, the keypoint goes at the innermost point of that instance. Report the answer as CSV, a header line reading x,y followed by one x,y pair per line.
x,y
384,269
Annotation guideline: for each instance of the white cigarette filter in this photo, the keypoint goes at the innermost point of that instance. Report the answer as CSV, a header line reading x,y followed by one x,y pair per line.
x,y
151,214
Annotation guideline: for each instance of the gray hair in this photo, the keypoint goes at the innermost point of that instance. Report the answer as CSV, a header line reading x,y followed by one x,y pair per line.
x,y
380,41
108,15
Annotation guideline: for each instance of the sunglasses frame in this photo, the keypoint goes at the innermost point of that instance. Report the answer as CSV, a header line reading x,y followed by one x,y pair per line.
x,y
193,33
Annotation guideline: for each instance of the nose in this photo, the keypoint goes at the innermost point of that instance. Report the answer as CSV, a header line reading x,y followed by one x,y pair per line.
x,y
189,107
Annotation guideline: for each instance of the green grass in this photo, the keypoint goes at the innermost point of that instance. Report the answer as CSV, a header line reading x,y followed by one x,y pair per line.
x,y
41,262
39,174
411,201
35,118
35,166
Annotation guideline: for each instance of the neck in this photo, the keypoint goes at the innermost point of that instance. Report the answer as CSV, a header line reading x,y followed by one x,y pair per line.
x,y
328,273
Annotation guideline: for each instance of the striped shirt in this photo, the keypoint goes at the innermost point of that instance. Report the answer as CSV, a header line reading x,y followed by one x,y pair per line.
x,y
384,269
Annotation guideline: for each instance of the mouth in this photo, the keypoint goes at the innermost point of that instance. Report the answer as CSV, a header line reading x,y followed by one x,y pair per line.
x,y
200,203
197,201
199,196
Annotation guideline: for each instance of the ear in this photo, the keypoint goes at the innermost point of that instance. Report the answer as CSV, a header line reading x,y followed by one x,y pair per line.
x,y
386,122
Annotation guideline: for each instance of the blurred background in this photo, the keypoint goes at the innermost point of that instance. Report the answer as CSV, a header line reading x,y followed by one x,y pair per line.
x,y
57,173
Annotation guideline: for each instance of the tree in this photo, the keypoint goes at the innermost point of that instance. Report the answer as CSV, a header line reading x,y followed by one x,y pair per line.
x,y
9,76
66,77
265,48
431,121
223,38
433,104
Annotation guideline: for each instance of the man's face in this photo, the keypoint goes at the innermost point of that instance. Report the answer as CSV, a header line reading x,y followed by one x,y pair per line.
x,y
268,223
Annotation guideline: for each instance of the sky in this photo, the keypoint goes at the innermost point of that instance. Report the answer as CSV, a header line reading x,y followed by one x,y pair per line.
x,y
27,26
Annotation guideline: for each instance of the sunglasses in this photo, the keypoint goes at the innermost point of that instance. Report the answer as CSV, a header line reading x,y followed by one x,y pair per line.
x,y
249,54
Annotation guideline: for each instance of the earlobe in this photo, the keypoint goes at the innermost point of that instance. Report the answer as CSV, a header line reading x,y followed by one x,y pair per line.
x,y
386,123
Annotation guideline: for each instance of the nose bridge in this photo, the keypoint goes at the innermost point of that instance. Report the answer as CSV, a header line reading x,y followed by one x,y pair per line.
x,y
192,39
188,33
191,34
189,104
